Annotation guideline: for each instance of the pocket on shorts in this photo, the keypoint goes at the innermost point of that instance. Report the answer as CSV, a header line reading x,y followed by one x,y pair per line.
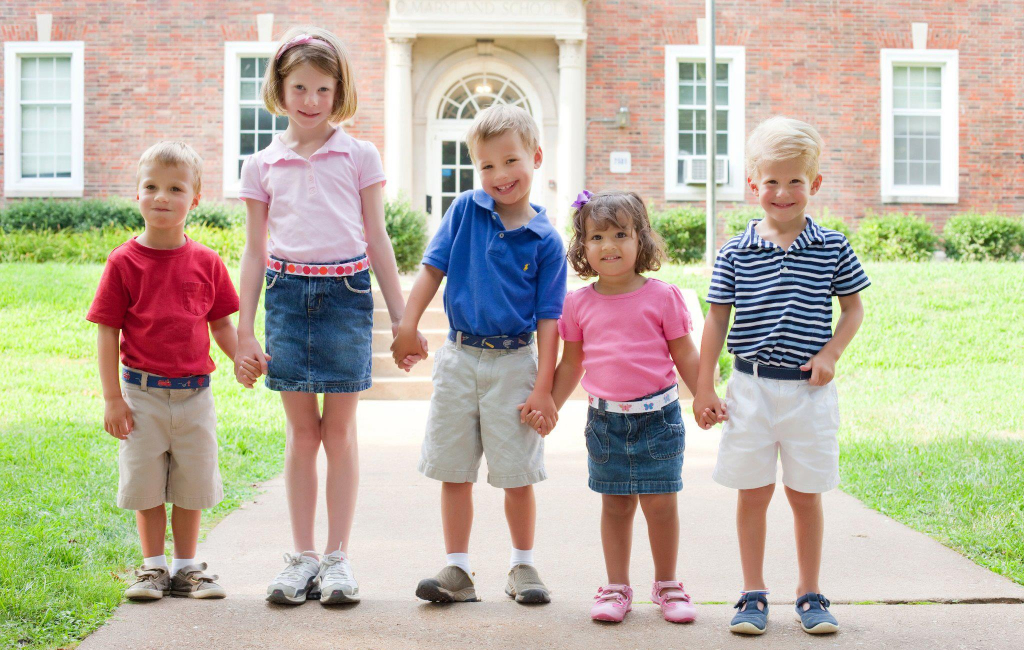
x,y
197,297
597,441
666,437
358,283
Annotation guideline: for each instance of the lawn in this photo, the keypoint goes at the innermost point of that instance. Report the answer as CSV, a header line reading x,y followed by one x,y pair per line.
x,y
931,393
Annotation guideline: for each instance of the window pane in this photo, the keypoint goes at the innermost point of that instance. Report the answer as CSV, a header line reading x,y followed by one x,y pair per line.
x,y
916,148
685,144
899,97
916,77
448,152
685,95
722,120
30,67
249,91
915,97
932,176
900,174
464,154
29,90
468,111
933,99
29,118
62,145
702,95
264,140
63,68
702,73
721,95
280,123
901,124
916,171
465,179
934,76
62,89
263,60
900,75
246,144
247,119
932,149
931,125
46,166
248,70
900,149
445,202
62,117
686,71
266,119
47,142
30,142
240,164
681,172
29,166
721,71
722,144
700,140
447,179
916,125
63,166
701,119
686,120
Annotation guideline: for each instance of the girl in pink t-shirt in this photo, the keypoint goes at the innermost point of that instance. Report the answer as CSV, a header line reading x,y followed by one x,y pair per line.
x,y
627,335
317,192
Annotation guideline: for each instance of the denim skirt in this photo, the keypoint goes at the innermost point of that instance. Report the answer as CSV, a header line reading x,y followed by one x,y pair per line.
x,y
319,332
636,453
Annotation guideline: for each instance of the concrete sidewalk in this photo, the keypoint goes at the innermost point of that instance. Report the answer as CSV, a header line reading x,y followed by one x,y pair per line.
x,y
869,560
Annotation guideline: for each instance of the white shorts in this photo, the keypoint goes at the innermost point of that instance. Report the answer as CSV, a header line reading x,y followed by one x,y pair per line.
x,y
473,413
771,419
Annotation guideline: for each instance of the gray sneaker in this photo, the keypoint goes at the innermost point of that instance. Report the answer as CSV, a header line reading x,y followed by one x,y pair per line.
x,y
451,585
192,582
297,582
337,582
151,583
525,586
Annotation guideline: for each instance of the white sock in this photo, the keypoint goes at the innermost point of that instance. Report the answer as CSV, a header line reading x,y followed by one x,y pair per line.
x,y
460,560
180,563
338,553
310,554
156,560
520,557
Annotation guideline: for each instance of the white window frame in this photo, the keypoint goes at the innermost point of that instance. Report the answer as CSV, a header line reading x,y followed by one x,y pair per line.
x,y
234,51
735,56
948,191
14,184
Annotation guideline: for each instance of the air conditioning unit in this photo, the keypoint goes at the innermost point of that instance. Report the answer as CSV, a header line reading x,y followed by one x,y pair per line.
x,y
696,170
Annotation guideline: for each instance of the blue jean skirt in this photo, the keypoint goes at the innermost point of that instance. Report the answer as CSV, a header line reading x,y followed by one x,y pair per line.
x,y
319,332
636,453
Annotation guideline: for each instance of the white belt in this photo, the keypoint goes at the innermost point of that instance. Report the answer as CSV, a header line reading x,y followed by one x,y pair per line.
x,y
655,403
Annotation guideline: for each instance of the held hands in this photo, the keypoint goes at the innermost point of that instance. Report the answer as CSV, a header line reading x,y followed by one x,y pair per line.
x,y
117,418
822,367
408,348
539,411
250,361
709,409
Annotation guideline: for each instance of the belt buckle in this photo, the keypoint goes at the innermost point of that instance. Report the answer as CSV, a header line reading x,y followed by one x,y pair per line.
x,y
755,370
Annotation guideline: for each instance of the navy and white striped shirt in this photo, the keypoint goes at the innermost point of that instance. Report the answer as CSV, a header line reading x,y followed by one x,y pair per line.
x,y
783,299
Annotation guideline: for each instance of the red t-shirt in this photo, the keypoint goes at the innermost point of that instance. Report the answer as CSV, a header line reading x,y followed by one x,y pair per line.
x,y
162,300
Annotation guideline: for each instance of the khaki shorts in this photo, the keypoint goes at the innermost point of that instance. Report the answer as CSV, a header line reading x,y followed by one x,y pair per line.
x,y
171,454
473,413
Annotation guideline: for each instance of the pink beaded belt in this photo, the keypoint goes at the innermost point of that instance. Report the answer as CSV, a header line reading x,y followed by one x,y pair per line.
x,y
330,270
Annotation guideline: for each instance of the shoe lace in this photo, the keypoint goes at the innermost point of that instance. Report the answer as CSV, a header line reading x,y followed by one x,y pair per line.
x,y
338,568
294,569
605,594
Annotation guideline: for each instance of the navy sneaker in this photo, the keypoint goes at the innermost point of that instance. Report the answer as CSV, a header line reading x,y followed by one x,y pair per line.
x,y
816,619
750,619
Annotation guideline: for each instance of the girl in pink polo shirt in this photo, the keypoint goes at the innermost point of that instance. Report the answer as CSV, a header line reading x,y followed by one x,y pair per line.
x,y
317,191
627,335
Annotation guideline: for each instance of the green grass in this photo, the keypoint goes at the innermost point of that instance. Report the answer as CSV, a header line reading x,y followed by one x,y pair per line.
x,y
931,394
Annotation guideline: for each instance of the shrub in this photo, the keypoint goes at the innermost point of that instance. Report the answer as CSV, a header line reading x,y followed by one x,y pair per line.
x,y
736,220
93,246
984,237
114,212
683,231
827,220
407,229
895,237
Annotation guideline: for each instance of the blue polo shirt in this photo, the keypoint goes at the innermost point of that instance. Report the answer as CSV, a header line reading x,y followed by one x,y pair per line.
x,y
783,298
500,282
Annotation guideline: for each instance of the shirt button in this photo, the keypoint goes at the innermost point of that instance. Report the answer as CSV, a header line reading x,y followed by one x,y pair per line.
x,y
501,235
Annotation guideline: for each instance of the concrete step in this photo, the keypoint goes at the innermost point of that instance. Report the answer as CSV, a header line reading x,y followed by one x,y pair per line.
x,y
435,339
433,318
418,387
384,367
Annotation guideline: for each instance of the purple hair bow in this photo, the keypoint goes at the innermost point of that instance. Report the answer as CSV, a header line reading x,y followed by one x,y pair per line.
x,y
582,199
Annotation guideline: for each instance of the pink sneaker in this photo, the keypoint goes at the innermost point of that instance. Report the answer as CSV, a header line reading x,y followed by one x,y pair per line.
x,y
612,603
675,603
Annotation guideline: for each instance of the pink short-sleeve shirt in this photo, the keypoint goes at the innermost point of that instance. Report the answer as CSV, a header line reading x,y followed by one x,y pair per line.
x,y
315,213
625,338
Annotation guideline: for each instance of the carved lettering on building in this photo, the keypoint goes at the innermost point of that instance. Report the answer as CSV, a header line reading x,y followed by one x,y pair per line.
x,y
488,8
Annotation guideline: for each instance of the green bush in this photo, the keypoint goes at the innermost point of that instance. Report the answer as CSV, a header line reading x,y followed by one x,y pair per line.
x,y
683,231
93,246
736,220
827,220
407,229
984,237
894,237
115,212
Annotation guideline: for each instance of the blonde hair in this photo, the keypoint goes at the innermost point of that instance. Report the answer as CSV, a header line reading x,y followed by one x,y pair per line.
x,y
499,119
625,210
176,153
325,53
783,138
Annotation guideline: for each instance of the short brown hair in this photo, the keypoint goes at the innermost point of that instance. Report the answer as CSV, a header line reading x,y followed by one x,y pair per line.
x,y
327,54
174,152
627,211
499,119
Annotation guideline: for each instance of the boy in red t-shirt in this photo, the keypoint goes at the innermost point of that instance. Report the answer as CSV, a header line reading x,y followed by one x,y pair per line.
x,y
159,293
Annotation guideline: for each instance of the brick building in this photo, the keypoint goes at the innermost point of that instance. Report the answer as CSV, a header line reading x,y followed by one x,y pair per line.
x,y
921,104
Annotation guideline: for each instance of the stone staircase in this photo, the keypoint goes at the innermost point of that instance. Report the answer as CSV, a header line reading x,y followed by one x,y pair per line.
x,y
389,382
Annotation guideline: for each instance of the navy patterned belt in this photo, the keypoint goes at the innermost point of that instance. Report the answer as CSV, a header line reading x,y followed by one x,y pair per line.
x,y
492,342
770,372
154,381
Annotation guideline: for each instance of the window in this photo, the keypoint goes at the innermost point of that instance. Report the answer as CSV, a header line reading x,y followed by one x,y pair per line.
x,y
248,126
920,127
468,96
43,121
686,90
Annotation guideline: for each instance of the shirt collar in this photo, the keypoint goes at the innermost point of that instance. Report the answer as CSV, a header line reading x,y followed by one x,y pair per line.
x,y
811,234
539,225
277,150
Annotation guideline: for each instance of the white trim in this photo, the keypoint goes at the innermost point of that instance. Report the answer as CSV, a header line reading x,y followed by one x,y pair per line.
x,y
735,56
233,52
949,189
14,184
488,18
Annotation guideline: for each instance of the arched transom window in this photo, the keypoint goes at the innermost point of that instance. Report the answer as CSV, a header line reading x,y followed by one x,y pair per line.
x,y
472,94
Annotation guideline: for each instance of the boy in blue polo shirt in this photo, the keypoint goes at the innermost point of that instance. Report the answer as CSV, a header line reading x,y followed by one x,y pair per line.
x,y
780,274
506,272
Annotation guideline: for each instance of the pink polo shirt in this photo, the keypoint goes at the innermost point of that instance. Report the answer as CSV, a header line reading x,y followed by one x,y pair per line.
x,y
625,338
315,213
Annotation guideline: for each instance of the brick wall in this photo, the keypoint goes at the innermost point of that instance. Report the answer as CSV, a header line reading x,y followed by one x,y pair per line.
x,y
817,61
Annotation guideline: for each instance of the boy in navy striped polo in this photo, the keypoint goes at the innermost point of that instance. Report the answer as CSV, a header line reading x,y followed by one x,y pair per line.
x,y
780,274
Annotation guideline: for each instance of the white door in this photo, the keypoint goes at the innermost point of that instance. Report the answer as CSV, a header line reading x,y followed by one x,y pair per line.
x,y
451,171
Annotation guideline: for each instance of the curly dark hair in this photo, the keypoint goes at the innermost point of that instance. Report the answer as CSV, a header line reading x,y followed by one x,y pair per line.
x,y
627,211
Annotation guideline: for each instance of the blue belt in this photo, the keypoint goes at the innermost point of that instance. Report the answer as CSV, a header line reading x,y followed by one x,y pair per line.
x,y
153,381
492,342
770,372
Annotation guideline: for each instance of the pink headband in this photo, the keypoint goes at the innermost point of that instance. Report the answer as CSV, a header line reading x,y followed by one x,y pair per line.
x,y
301,39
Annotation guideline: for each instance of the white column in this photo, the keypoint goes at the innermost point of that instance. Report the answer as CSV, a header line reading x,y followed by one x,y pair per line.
x,y
572,121
398,117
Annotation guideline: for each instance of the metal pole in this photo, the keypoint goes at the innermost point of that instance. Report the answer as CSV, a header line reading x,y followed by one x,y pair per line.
x,y
709,22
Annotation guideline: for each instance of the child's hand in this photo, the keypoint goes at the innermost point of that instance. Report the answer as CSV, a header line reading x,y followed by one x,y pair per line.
x,y
250,361
247,371
709,409
536,421
822,367
408,345
545,404
117,418
410,361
